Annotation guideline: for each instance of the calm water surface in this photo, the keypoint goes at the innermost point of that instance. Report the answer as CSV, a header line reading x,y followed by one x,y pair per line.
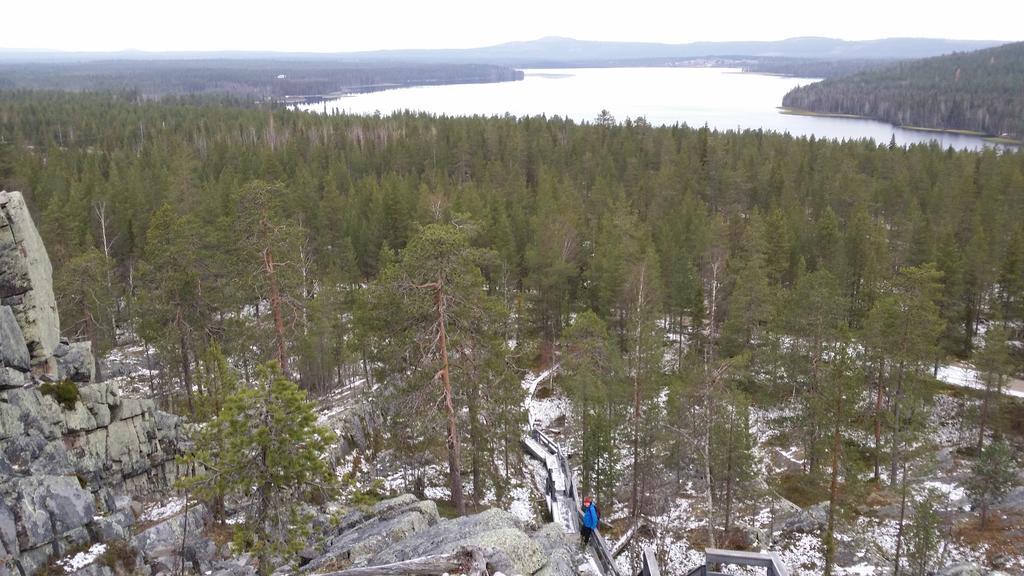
x,y
723,98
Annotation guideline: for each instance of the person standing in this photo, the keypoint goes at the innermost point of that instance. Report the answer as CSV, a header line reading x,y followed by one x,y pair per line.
x,y
590,519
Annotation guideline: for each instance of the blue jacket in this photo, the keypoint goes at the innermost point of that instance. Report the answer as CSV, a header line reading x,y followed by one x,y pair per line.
x,y
590,517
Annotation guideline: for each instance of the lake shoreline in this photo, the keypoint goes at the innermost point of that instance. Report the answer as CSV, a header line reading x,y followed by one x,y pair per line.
x,y
953,131
721,98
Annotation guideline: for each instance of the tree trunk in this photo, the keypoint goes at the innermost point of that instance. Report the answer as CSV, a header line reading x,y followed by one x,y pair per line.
x,y
275,307
186,369
635,500
878,420
899,531
833,491
983,416
454,458
896,428
475,442
728,476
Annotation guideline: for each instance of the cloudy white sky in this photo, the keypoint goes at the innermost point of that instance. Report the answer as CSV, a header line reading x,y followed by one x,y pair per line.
x,y
350,25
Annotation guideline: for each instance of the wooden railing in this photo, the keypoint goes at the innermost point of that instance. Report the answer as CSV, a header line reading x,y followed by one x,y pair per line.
x,y
650,565
770,561
569,496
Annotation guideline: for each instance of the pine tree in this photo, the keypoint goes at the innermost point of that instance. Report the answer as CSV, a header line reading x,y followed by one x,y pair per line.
x,y
265,448
904,327
992,477
88,306
923,538
170,292
430,317
594,382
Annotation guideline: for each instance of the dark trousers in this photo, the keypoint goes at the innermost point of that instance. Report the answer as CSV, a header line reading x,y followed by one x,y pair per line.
x,y
586,532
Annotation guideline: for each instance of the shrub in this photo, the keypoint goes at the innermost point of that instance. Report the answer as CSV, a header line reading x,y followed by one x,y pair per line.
x,y
64,393
119,557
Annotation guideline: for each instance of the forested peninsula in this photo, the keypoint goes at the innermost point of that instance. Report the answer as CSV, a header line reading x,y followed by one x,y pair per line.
x,y
979,91
245,79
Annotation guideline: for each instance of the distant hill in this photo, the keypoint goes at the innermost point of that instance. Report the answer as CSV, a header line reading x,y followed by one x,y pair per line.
x,y
981,91
554,51
557,51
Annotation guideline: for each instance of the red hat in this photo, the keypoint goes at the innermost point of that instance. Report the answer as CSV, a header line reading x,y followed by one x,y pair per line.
x,y
586,499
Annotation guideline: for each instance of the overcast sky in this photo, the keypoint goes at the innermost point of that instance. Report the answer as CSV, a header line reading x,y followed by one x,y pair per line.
x,y
350,25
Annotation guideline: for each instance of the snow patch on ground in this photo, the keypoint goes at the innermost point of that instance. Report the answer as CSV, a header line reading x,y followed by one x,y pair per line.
x,y
74,563
522,505
157,512
965,376
437,493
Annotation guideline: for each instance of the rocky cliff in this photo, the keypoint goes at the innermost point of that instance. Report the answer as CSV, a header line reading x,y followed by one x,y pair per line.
x,y
72,451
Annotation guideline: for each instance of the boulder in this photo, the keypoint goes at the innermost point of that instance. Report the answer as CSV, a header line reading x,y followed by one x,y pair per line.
x,y
76,363
10,422
13,351
744,537
361,535
558,547
807,521
232,567
160,545
49,507
13,378
8,531
1013,502
962,569
26,281
116,526
494,531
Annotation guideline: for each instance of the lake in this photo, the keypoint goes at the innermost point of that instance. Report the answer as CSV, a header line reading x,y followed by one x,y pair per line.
x,y
723,98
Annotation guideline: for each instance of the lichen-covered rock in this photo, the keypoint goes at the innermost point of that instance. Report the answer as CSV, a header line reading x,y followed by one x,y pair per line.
x,y
807,521
8,532
13,378
494,531
26,281
59,467
360,535
557,546
49,507
13,351
963,569
1013,502
160,545
75,362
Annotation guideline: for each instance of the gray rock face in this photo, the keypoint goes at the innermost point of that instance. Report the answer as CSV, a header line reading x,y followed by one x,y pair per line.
x,y
26,281
13,351
403,528
807,521
75,362
160,545
65,475
57,466
8,532
49,507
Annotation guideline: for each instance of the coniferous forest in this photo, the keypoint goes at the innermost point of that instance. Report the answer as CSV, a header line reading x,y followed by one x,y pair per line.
x,y
691,286
246,79
979,91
